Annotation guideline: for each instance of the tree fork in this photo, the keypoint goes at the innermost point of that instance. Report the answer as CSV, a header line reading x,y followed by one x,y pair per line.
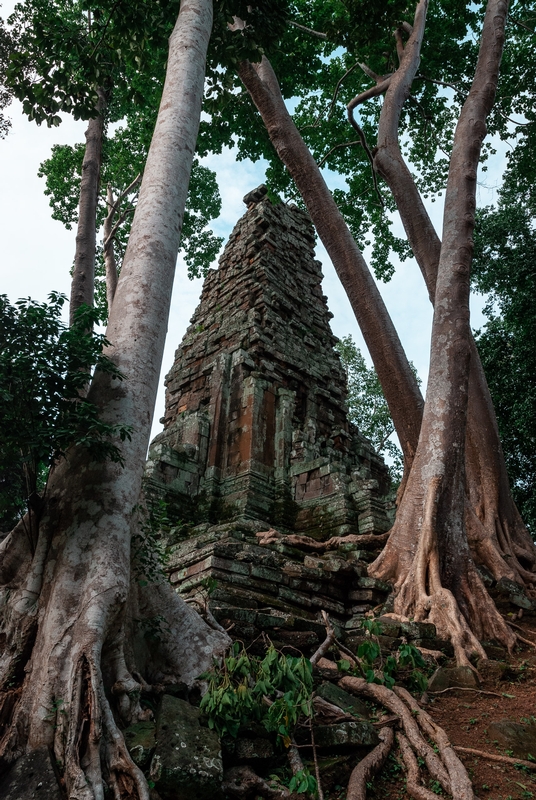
x,y
490,510
427,555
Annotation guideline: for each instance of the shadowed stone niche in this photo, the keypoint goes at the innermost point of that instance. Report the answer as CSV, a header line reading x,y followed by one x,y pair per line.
x,y
256,433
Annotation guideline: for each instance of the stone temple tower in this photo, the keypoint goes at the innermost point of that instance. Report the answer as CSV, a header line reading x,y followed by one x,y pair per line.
x,y
256,433
256,421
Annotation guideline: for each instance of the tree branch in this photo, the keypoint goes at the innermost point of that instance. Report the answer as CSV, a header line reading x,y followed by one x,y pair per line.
x,y
337,147
318,34
521,24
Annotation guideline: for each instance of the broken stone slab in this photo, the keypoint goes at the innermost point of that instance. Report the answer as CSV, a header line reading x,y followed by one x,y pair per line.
x,y
32,777
452,677
494,651
373,583
346,735
140,739
515,737
418,630
515,593
187,763
492,670
435,644
343,700
390,627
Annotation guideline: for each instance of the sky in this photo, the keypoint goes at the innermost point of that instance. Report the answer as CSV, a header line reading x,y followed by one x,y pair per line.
x,y
37,251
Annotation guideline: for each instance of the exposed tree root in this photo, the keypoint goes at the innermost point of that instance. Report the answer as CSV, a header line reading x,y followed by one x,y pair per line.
x,y
464,689
326,644
414,786
389,699
444,767
369,766
413,565
495,757
266,538
63,635
461,786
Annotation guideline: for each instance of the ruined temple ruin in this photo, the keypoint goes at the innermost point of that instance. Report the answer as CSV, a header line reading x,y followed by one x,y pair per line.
x,y
256,437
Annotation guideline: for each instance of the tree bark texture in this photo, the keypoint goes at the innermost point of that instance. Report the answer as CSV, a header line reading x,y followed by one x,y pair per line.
x,y
66,610
398,382
499,540
427,555
109,252
83,279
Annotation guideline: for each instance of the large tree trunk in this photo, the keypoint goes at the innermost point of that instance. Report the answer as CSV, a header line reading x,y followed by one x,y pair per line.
x,y
65,610
83,279
427,556
498,538
398,381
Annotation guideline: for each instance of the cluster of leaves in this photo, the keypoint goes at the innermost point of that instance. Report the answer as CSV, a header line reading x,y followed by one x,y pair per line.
x,y
275,691
65,50
123,158
367,407
149,552
375,669
6,46
505,254
44,370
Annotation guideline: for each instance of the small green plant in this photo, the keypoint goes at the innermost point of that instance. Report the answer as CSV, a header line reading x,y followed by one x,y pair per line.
x,y
303,782
275,690
150,554
45,368
376,670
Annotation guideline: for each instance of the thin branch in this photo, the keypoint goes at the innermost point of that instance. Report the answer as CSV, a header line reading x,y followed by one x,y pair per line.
x,y
464,689
337,87
318,34
522,24
381,444
439,83
130,188
374,91
315,759
104,29
333,99
354,659
360,132
494,757
371,74
397,33
119,222
513,121
337,147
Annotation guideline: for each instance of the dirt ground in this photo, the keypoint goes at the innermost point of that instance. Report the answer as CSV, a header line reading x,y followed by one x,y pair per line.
x,y
466,716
